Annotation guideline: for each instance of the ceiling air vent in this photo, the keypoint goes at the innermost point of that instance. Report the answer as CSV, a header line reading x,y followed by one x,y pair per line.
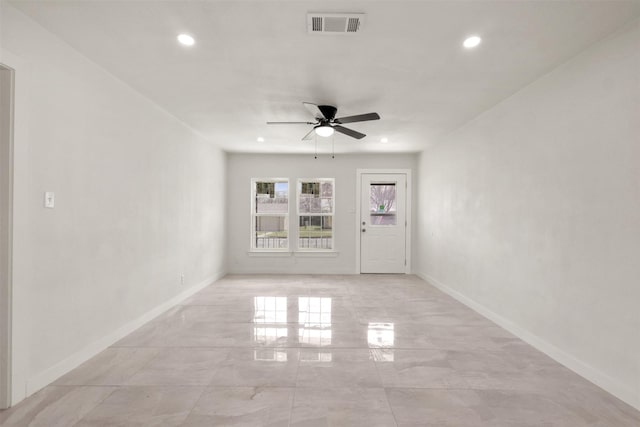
x,y
334,23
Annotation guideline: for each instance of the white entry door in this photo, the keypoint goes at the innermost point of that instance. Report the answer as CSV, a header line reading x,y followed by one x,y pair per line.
x,y
383,224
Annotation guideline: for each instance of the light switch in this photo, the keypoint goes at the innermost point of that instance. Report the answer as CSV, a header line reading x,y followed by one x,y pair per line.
x,y
49,199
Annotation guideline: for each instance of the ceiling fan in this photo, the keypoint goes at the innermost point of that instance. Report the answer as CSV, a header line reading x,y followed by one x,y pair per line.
x,y
326,122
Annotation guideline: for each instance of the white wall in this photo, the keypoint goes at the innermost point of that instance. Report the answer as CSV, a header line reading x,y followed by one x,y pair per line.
x,y
138,203
531,213
243,167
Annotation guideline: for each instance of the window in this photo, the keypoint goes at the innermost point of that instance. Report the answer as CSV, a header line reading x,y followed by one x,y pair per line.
x,y
316,199
270,214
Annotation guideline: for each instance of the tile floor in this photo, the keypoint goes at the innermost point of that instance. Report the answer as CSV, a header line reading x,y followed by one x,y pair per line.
x,y
369,350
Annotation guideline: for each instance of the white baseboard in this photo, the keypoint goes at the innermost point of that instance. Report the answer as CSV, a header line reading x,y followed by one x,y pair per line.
x,y
588,372
51,374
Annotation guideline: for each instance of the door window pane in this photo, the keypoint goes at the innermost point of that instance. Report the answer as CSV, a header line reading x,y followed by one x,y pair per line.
x,y
382,204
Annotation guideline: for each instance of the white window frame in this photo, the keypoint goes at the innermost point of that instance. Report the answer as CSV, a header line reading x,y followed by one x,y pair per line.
x,y
255,215
332,214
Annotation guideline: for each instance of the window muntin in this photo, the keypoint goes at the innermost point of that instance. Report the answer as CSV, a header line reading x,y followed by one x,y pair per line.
x,y
270,214
316,207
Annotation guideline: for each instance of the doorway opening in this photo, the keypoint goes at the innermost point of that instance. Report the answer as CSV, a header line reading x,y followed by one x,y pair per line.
x,y
6,209
383,214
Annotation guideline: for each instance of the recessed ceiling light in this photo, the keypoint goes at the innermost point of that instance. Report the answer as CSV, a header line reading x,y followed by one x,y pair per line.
x,y
186,39
472,42
260,139
384,140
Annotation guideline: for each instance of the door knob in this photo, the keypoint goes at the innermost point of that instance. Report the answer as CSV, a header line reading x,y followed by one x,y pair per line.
x,y
364,222
364,229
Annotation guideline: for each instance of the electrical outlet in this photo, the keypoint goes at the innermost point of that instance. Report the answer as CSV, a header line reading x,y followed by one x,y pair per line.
x,y
182,279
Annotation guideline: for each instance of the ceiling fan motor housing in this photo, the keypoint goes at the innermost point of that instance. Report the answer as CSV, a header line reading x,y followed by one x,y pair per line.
x,y
329,112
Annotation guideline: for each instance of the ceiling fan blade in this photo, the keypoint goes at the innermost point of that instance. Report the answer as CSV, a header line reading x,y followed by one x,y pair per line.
x,y
350,132
314,110
358,118
309,136
291,123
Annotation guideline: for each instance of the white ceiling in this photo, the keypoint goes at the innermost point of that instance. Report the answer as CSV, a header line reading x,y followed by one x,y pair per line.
x,y
254,61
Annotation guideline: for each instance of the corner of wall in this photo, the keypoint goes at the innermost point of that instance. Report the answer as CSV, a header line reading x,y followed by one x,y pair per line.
x,y
590,373
42,379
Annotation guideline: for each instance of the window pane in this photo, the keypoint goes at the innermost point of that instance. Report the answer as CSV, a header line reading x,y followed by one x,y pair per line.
x,y
316,197
309,204
316,232
310,188
326,189
272,197
382,204
326,205
271,232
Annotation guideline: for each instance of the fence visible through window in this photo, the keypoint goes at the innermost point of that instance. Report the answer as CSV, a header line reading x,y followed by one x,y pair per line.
x,y
316,201
270,214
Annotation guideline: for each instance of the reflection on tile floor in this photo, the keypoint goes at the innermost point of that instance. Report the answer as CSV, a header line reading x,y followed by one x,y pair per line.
x,y
370,350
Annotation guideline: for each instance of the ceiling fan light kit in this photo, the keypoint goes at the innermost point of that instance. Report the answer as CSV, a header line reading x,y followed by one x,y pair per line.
x,y
323,130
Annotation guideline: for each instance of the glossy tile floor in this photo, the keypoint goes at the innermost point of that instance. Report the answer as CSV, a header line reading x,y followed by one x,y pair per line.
x,y
369,350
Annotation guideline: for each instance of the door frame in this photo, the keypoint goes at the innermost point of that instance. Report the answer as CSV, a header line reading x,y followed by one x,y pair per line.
x,y
408,197
7,99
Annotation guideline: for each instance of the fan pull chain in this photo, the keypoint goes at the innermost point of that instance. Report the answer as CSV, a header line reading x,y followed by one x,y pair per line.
x,y
316,139
333,146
